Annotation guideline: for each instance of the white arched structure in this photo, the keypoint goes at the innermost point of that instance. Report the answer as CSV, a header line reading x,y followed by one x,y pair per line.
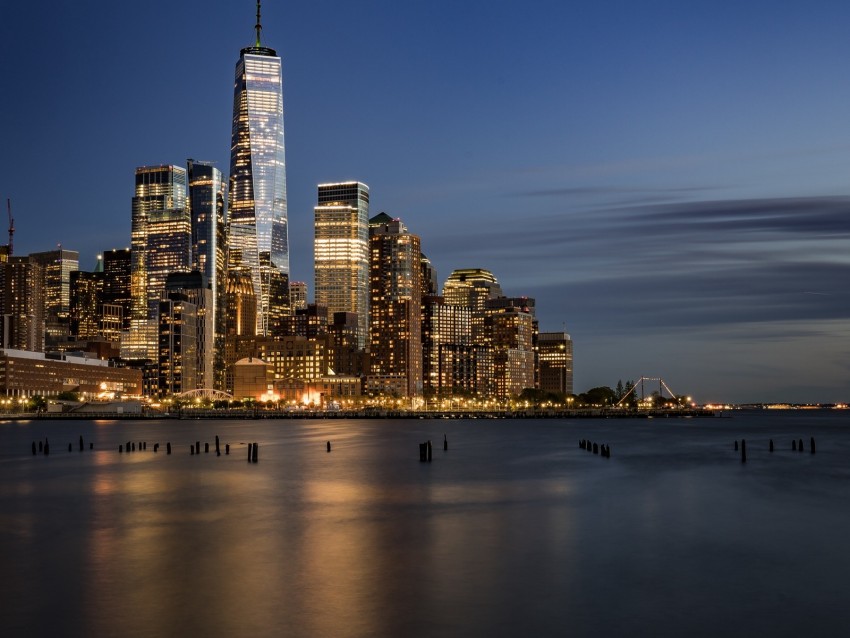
x,y
205,393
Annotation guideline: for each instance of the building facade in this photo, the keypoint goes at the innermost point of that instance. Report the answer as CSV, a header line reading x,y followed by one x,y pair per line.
x,y
207,197
57,266
159,213
395,343
341,251
257,218
555,362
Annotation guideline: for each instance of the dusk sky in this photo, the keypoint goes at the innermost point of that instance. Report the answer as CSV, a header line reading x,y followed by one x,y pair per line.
x,y
670,180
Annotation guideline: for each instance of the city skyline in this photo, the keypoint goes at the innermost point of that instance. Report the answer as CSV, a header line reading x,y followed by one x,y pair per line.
x,y
672,184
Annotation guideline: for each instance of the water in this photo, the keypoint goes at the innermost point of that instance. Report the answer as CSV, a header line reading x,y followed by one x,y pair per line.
x,y
514,531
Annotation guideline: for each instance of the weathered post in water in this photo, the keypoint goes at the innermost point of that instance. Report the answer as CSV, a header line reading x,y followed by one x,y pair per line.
x,y
736,445
206,448
256,446
329,446
423,452
168,448
793,446
445,443
217,450
81,443
46,447
120,449
771,445
250,446
34,452
812,444
800,446
227,449
743,451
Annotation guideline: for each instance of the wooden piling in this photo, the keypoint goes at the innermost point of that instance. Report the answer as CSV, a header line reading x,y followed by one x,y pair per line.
x,y
34,449
329,446
91,445
800,446
430,452
743,451
256,446
206,448
812,444
191,450
423,452
41,446
217,451
46,446
156,447
120,449
227,449
771,445
736,445
596,448
168,448
250,449
81,443
70,446
445,443
793,446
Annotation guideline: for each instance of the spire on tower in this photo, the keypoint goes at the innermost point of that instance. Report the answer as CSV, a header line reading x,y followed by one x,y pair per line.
x,y
258,27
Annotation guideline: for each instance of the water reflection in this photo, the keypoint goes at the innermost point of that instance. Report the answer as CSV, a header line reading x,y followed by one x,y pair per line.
x,y
514,531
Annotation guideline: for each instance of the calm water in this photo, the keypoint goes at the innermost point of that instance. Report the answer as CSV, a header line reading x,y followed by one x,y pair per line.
x,y
514,531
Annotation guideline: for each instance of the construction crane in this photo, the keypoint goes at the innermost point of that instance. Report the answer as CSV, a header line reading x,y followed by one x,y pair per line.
x,y
11,224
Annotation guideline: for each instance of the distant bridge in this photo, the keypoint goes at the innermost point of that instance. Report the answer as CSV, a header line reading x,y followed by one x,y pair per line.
x,y
661,387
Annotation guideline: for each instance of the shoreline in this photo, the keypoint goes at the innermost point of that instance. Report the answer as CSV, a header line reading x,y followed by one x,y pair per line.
x,y
262,414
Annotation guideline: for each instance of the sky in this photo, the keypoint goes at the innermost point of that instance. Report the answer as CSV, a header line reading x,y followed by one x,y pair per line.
x,y
669,180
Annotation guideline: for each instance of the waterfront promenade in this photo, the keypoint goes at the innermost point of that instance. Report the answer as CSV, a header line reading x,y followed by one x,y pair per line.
x,y
367,413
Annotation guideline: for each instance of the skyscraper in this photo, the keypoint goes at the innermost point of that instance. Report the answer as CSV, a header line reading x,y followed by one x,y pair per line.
x,y
57,268
257,220
341,251
395,343
159,213
206,204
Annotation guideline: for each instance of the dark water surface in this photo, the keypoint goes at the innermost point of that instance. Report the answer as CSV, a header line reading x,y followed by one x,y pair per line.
x,y
514,531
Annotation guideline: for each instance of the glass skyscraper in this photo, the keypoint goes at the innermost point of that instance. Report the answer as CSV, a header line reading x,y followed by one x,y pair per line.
x,y
206,203
341,251
161,243
257,221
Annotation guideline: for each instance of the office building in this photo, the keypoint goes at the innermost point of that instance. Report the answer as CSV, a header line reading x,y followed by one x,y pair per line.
x,y
197,290
257,219
341,250
57,266
116,265
471,288
178,356
297,295
160,244
207,196
555,362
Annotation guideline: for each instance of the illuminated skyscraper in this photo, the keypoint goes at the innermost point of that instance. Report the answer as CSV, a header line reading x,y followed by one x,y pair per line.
x,y
471,288
555,362
23,304
57,267
206,205
257,220
161,242
395,269
341,251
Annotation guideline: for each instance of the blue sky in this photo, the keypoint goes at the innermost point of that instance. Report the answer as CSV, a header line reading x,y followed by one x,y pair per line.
x,y
670,180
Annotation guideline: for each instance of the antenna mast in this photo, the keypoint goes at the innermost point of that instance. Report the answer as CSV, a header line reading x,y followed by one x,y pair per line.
x,y
11,224
258,26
